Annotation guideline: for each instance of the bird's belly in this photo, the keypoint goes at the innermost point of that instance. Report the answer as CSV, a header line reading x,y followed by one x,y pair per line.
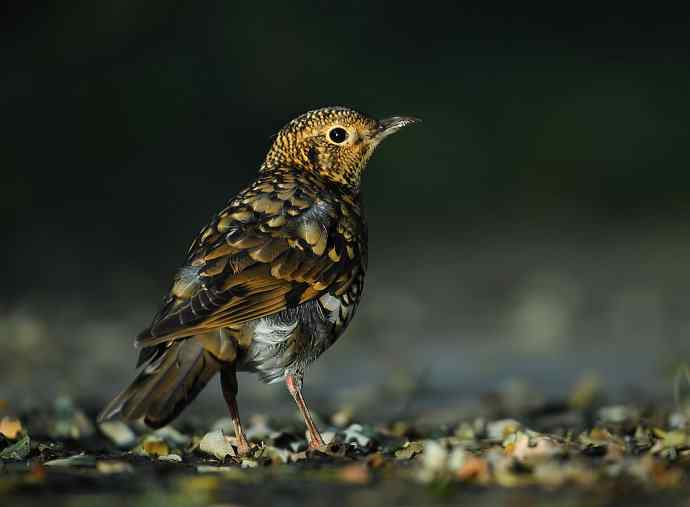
x,y
290,340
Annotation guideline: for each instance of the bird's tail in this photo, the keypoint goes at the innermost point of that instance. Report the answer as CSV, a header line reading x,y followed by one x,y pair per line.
x,y
174,374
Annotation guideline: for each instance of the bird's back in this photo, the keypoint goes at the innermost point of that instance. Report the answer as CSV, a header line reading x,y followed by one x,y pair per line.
x,y
288,239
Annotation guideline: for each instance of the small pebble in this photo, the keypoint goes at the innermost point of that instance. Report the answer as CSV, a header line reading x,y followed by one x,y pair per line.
x,y
118,433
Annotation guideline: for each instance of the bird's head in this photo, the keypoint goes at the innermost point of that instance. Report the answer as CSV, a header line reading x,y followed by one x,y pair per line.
x,y
335,142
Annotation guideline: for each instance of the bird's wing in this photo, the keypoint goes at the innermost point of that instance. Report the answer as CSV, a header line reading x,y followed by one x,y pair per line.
x,y
278,244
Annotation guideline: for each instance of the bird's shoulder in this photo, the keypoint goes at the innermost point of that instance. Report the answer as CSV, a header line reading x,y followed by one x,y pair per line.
x,y
273,206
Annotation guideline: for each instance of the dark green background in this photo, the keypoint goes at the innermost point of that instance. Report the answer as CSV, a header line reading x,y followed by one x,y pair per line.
x,y
549,179
129,123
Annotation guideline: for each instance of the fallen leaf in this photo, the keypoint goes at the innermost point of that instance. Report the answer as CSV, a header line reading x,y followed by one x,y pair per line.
x,y
78,460
474,468
216,444
10,427
409,450
153,446
499,430
529,447
672,438
598,437
17,451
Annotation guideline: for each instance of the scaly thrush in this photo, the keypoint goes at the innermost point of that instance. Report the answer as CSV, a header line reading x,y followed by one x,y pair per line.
x,y
272,281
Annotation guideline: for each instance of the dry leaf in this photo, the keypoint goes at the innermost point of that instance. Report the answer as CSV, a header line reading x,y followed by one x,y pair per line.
x,y
10,427
155,447
498,430
409,450
78,460
216,444
17,451
529,447
474,468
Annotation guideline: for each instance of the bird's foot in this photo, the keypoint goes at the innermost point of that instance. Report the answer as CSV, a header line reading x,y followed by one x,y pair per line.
x,y
245,452
333,449
315,442
243,448
315,446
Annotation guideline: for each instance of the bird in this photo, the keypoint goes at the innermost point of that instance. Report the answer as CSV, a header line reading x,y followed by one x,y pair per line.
x,y
271,282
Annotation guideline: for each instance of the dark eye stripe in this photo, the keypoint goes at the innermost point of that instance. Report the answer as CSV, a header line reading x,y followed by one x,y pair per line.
x,y
338,135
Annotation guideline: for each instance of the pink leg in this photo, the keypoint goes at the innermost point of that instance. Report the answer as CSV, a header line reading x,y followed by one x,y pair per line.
x,y
294,385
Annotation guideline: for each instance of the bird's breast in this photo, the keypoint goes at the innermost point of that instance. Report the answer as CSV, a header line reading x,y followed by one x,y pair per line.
x,y
290,340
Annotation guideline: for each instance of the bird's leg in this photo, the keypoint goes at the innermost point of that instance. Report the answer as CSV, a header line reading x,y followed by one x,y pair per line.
x,y
228,382
294,385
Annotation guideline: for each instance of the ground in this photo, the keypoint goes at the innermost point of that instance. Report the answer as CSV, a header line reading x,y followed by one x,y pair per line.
x,y
512,370
507,450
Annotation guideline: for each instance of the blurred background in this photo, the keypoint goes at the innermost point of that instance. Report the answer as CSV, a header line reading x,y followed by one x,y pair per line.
x,y
534,227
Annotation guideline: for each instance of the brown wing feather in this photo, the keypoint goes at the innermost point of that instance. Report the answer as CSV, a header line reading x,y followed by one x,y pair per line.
x,y
279,243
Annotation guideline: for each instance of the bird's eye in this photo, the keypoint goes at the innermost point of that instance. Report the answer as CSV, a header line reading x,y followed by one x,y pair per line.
x,y
338,135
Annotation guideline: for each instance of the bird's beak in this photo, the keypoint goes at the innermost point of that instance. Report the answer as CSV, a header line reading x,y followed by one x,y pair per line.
x,y
391,125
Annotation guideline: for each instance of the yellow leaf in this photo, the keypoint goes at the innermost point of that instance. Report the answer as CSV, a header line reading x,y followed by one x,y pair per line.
x,y
156,448
10,427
